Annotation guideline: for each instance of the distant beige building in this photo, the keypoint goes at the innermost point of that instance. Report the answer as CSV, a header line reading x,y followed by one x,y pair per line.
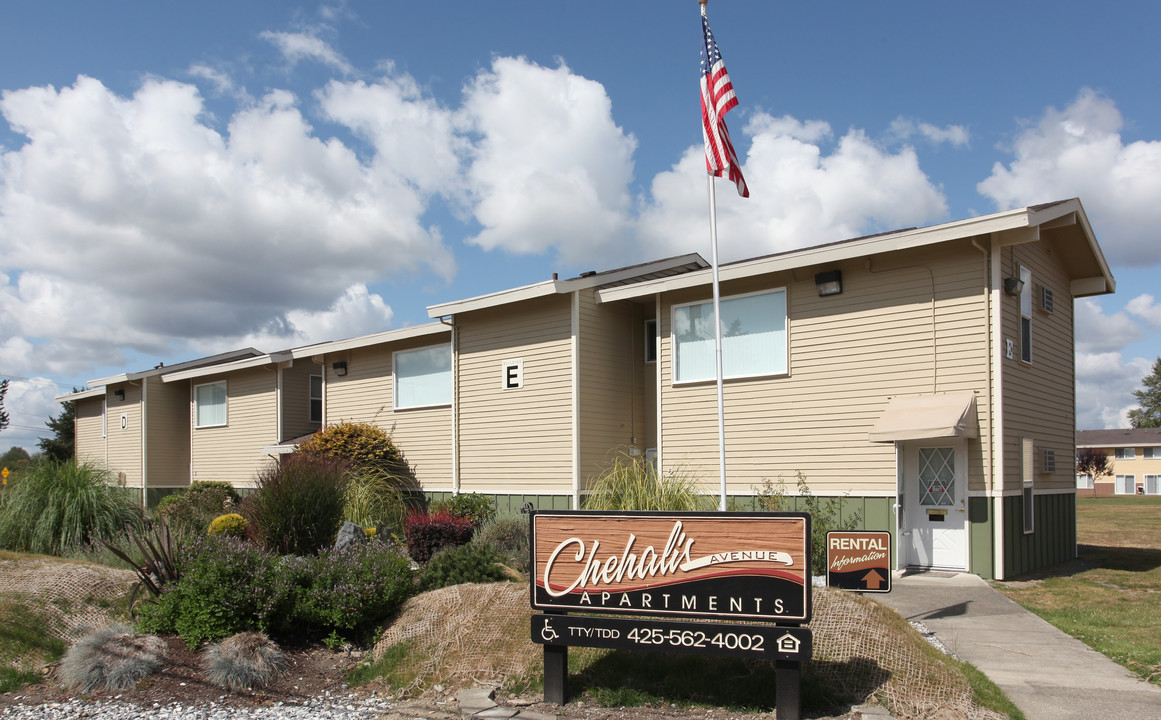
x,y
926,375
1134,461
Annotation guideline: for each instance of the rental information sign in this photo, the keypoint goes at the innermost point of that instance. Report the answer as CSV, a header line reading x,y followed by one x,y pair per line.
x,y
859,560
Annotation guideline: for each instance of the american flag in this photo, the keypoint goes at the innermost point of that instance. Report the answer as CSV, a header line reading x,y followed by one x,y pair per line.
x,y
717,99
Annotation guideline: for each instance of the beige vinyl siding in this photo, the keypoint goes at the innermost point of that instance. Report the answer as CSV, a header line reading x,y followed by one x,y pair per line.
x,y
296,399
167,434
365,394
1039,398
612,402
517,441
89,441
848,355
124,444
233,453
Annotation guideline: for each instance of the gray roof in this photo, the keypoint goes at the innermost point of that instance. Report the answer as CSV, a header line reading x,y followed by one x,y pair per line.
x,y
1120,437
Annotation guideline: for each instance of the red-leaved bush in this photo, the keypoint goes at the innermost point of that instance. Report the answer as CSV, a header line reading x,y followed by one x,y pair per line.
x,y
428,533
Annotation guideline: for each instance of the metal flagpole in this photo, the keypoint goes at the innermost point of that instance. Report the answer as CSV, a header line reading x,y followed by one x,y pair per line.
x,y
713,208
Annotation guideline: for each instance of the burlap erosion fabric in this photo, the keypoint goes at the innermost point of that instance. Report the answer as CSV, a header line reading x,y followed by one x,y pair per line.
x,y
75,597
478,635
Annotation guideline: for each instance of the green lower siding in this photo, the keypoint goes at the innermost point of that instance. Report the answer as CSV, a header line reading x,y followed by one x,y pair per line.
x,y
981,537
510,505
1052,541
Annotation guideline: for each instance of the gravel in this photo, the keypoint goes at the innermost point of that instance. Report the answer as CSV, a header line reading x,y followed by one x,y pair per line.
x,y
325,708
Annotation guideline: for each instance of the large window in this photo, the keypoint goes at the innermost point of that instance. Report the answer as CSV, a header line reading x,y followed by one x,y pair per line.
x,y
1084,482
1126,484
1153,484
316,398
1152,453
753,337
423,377
1124,453
210,404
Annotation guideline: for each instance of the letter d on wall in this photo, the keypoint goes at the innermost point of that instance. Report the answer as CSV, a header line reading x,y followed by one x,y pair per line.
x,y
512,374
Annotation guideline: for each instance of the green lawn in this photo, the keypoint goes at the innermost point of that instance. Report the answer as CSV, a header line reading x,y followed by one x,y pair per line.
x,y
1110,598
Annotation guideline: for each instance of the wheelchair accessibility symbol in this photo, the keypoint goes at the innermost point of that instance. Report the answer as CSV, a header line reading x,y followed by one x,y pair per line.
x,y
547,632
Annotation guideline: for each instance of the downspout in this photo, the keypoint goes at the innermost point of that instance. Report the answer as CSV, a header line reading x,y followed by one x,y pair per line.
x,y
997,552
455,363
657,382
576,400
998,411
278,406
144,445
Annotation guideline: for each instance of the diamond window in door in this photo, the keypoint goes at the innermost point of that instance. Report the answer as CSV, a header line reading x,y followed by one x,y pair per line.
x,y
936,475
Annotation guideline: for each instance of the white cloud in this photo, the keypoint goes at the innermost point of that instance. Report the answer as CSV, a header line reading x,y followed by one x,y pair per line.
x,y
1080,152
1146,308
307,46
1104,389
30,403
805,189
1097,332
955,135
550,169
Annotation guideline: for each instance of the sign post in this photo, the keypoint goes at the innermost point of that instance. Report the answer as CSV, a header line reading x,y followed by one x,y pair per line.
x,y
674,582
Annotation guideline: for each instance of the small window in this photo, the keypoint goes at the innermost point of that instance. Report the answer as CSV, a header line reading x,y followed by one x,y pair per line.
x,y
753,338
316,404
1152,453
1084,482
1026,315
650,341
210,404
104,418
1126,484
423,377
1029,477
1125,453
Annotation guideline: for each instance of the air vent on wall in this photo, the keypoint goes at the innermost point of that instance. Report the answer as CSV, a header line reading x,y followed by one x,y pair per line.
x,y
1049,463
1046,300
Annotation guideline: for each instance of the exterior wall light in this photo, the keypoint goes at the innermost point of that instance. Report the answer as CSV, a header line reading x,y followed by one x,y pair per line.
x,y
119,394
339,367
829,283
1013,286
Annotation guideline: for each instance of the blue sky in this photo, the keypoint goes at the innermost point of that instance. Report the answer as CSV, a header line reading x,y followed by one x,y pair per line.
x,y
181,179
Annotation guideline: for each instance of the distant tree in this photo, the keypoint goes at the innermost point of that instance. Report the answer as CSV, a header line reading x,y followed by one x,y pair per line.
x,y
61,445
3,414
1093,462
1149,398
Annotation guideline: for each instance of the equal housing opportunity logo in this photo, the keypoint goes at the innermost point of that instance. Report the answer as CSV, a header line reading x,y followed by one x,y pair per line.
x,y
742,566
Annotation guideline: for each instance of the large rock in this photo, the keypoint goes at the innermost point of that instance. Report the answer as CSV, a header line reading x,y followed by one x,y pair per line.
x,y
349,534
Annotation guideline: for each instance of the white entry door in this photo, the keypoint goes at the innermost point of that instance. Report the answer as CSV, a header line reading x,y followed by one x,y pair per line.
x,y
935,531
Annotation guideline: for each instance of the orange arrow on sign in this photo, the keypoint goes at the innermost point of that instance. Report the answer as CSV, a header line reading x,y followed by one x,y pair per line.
x,y
873,580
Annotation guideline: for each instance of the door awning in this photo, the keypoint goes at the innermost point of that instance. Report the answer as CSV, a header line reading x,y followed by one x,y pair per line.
x,y
920,417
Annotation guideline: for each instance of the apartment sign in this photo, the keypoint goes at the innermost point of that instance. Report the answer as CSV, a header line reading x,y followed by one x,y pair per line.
x,y
736,566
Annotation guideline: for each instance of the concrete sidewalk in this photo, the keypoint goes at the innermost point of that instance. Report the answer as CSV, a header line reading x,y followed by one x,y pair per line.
x,y
1048,674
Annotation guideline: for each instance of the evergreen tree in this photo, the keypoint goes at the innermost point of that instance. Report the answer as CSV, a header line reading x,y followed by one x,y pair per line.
x,y
3,415
1149,398
61,445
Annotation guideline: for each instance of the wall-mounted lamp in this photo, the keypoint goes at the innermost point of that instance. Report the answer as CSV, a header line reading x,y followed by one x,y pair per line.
x,y
339,367
829,283
119,394
1013,286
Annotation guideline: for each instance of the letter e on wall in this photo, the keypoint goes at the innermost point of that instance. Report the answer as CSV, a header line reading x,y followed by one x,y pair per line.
x,y
512,374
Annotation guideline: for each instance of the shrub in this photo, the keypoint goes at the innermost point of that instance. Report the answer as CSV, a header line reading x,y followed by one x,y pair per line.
x,y
298,505
473,507
190,511
361,444
243,661
631,483
374,496
59,504
353,588
227,586
471,563
508,536
826,514
231,524
427,533
111,658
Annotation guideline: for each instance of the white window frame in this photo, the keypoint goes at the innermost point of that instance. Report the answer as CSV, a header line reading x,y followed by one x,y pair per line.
x,y
1028,473
1026,316
104,417
1128,482
395,378
225,404
1127,453
1084,482
311,399
1151,453
781,371
1155,482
